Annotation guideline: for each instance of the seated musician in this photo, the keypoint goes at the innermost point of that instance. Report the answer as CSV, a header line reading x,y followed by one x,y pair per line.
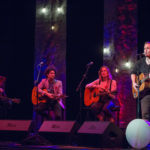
x,y
5,103
107,88
2,86
51,108
142,70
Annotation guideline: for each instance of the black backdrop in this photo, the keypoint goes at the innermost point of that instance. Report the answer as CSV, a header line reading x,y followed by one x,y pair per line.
x,y
17,52
84,44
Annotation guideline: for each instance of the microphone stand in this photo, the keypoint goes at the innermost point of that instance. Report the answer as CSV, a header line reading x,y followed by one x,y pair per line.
x,y
36,139
80,89
138,92
37,94
138,102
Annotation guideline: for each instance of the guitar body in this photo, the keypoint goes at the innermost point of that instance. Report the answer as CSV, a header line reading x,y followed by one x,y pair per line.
x,y
45,98
91,95
34,97
143,83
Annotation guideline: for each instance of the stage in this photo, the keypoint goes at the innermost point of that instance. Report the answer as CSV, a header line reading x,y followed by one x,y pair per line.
x,y
62,135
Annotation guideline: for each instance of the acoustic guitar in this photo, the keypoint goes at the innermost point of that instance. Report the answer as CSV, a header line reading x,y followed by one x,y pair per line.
x,y
45,98
4,99
92,95
143,82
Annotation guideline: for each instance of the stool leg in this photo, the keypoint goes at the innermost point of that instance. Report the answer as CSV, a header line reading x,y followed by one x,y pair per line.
x,y
118,115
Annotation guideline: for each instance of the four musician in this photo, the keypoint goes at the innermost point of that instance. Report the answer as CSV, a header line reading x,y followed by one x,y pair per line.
x,y
50,90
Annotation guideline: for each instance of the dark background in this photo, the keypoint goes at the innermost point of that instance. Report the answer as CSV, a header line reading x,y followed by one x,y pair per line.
x,y
84,44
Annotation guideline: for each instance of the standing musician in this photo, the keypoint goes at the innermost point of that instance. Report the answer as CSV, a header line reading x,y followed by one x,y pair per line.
x,y
142,70
105,93
49,103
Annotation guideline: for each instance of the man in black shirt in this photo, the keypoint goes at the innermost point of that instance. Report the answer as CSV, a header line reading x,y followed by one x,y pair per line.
x,y
143,67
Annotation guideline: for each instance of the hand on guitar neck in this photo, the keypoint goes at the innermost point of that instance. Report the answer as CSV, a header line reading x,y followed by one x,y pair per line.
x,y
15,100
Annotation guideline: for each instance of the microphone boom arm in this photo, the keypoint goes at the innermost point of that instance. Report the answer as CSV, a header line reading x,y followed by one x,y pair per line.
x,y
83,78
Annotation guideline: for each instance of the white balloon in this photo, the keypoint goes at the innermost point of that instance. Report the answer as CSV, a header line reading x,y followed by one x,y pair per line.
x,y
138,133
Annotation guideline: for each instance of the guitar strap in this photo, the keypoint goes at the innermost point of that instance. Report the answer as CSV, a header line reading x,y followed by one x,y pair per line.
x,y
110,85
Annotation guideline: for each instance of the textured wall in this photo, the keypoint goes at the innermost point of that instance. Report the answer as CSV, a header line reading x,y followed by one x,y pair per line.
x,y
50,39
120,38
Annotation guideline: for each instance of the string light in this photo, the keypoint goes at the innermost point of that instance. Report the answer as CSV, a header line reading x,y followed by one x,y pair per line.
x,y
60,10
106,51
44,11
116,70
52,27
128,65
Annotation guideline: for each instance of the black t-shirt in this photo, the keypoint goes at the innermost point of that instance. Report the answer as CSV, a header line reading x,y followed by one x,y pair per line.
x,y
141,67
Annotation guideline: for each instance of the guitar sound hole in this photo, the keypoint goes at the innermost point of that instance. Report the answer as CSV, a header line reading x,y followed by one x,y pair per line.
x,y
94,95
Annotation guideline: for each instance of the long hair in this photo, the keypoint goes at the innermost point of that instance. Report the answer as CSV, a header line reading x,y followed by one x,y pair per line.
x,y
109,73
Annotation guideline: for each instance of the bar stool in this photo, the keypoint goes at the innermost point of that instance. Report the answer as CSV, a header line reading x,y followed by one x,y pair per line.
x,y
116,109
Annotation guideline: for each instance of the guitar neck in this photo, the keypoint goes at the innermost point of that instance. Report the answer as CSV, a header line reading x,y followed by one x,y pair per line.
x,y
5,98
143,80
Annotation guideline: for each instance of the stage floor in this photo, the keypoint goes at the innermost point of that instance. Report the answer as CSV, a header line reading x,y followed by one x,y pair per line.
x,y
8,145
14,146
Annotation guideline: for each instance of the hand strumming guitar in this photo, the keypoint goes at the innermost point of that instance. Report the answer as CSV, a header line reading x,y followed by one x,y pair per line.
x,y
50,95
110,94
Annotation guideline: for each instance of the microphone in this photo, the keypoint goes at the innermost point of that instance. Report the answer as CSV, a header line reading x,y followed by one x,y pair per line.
x,y
90,63
141,54
41,63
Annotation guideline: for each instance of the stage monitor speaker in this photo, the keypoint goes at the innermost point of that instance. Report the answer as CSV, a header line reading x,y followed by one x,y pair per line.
x,y
57,126
14,125
100,134
13,130
58,132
